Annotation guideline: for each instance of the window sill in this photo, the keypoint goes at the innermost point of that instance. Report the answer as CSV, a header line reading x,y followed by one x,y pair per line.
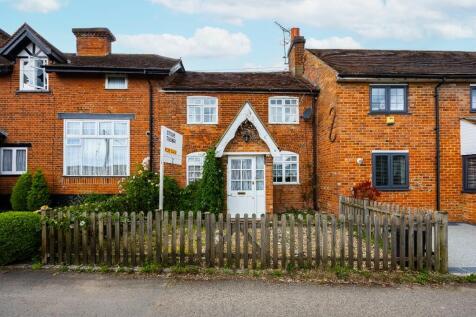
x,y
374,113
116,88
95,176
199,124
11,175
283,184
468,192
284,123
19,91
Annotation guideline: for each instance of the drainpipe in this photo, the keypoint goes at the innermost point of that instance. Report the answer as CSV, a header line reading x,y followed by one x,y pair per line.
x,y
437,130
151,125
314,151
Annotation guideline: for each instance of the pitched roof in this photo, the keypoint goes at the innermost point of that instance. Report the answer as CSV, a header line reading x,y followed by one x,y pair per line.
x,y
399,63
264,82
124,63
25,34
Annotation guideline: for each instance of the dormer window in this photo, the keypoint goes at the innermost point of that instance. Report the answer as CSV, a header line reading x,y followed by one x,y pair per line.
x,y
116,82
33,76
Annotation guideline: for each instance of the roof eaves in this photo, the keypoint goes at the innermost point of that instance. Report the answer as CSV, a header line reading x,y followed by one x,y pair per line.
x,y
98,70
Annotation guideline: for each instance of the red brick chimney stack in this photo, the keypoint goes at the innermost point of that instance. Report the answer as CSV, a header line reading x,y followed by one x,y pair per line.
x,y
296,52
93,41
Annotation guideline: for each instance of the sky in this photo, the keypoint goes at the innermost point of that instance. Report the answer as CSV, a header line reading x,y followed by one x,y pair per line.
x,y
240,35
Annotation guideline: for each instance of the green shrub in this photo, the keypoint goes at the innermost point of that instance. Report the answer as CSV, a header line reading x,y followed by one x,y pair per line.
x,y
19,236
171,194
212,195
38,195
18,199
93,198
190,197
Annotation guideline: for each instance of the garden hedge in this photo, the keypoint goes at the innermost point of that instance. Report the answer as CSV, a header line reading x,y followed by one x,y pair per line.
x,y
19,236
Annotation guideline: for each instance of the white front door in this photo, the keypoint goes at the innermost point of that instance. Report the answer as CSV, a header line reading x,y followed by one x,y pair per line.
x,y
246,185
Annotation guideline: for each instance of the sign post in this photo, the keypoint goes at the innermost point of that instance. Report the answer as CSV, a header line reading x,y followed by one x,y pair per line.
x,y
170,152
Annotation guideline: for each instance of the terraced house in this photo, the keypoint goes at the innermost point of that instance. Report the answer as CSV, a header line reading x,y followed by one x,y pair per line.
x,y
88,118
299,139
403,119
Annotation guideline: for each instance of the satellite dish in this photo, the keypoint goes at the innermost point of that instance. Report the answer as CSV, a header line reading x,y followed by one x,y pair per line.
x,y
307,115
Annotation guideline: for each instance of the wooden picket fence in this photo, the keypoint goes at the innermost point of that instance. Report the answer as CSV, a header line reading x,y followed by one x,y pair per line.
x,y
242,242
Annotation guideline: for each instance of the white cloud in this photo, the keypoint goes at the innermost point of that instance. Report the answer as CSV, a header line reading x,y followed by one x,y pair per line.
x,y
41,6
205,42
333,42
403,19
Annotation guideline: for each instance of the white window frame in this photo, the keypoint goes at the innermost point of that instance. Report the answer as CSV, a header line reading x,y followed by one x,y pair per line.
x,y
200,155
202,106
281,157
14,160
106,85
81,136
24,87
283,107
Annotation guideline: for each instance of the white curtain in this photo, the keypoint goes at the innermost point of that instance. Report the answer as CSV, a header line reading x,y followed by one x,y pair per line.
x,y
21,160
7,160
95,156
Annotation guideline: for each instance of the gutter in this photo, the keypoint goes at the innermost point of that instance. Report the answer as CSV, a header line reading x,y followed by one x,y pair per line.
x,y
108,70
438,154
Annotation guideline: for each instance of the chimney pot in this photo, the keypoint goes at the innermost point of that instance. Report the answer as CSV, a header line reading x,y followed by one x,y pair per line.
x,y
93,41
295,32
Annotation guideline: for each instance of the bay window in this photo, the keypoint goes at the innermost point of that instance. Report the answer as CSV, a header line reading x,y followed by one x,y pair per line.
x,y
96,148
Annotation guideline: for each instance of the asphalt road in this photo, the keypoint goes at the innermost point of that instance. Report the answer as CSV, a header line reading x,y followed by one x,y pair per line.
x,y
41,293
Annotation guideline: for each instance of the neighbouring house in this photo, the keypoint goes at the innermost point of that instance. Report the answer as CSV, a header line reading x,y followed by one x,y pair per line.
x,y
403,119
87,119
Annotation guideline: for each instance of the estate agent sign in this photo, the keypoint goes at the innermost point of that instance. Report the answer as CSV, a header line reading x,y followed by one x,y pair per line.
x,y
170,152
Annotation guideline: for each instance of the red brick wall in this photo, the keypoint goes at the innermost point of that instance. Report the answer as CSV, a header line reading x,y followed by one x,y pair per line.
x,y
359,133
294,138
93,45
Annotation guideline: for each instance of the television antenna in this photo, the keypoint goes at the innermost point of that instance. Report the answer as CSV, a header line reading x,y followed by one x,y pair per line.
x,y
285,42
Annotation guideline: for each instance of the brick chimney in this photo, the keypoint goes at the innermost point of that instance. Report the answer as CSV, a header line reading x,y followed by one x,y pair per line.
x,y
93,41
4,37
296,53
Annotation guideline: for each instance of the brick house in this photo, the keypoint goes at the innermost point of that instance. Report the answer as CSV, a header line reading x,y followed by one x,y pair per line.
x,y
402,119
88,119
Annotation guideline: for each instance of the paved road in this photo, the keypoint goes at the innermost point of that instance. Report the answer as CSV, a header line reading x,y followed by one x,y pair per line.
x,y
41,293
461,248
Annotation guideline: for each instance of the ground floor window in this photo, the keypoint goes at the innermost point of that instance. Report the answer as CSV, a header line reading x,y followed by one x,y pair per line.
x,y
96,148
390,170
195,166
469,173
13,160
286,168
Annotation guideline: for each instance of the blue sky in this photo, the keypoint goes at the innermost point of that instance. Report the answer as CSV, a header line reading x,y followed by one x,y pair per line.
x,y
234,35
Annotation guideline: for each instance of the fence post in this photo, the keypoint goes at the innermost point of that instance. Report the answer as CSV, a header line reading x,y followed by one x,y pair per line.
x,y
444,244
44,253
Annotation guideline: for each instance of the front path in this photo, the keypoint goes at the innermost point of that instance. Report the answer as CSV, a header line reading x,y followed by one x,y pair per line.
x,y
43,293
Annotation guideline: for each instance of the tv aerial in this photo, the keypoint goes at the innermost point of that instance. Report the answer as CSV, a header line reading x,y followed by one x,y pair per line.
x,y
285,42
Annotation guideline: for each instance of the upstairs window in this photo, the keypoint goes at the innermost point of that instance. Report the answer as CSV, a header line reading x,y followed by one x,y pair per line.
x,y
473,99
283,110
13,161
96,148
195,166
286,168
469,173
390,170
32,74
116,82
202,110
388,98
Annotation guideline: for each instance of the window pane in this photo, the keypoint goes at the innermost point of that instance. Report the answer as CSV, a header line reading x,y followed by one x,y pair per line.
x,y
473,99
20,160
72,160
7,162
95,156
73,128
378,99
260,162
105,128
277,173
119,161
89,128
381,170
399,170
120,128
194,114
195,168
259,185
397,99
470,173
116,82
276,114
209,114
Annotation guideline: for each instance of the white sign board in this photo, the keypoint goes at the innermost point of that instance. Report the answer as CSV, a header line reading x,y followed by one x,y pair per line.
x,y
170,146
